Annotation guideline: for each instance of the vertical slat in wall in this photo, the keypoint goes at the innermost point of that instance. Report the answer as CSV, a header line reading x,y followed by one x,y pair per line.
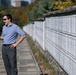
x,y
39,33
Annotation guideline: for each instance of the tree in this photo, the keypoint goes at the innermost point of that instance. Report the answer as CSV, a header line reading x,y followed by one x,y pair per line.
x,y
42,7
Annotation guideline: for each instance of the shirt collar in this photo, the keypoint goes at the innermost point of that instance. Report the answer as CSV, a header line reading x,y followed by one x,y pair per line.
x,y
9,25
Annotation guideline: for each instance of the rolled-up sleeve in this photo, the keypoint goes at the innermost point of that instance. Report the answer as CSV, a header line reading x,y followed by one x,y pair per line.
x,y
20,31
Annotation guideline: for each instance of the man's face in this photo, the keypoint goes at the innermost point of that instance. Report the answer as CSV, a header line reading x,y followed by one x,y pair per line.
x,y
6,20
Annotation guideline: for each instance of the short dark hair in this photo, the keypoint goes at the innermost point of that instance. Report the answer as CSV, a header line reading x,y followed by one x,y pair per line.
x,y
9,16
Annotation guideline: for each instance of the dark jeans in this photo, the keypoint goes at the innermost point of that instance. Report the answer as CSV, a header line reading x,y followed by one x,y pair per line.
x,y
9,58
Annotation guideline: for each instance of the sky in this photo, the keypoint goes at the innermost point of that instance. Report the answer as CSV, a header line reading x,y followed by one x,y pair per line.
x,y
23,0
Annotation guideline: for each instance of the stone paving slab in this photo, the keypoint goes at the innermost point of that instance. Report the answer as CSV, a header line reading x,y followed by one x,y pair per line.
x,y
28,73
2,68
26,62
2,73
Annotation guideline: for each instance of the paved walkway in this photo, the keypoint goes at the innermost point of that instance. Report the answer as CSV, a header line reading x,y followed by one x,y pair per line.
x,y
27,64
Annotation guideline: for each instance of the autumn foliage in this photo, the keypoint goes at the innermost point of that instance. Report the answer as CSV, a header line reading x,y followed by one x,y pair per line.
x,y
60,5
34,10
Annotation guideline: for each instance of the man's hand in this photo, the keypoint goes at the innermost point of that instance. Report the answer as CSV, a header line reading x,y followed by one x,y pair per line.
x,y
13,45
1,38
19,41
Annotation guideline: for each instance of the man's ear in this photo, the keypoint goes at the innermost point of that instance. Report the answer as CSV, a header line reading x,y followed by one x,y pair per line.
x,y
9,19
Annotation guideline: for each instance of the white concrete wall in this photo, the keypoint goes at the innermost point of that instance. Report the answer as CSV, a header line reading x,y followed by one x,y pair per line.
x,y
58,36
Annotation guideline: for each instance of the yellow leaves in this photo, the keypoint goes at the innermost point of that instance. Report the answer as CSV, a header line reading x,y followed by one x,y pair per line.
x,y
57,3
60,5
3,12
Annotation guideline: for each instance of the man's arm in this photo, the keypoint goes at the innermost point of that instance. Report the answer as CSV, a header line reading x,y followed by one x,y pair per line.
x,y
19,41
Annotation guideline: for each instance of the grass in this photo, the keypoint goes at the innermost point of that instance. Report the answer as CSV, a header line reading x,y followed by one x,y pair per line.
x,y
44,65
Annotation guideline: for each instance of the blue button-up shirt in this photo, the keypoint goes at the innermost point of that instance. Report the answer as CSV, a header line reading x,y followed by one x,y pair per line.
x,y
10,33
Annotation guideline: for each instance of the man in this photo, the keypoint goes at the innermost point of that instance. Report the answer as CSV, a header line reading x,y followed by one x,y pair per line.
x,y
9,35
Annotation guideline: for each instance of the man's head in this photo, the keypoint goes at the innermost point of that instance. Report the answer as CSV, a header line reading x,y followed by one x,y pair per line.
x,y
7,19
